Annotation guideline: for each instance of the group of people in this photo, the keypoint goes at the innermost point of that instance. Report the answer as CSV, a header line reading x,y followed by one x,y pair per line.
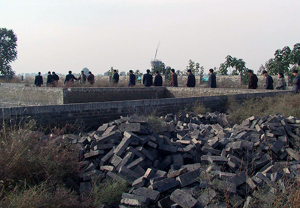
x,y
281,84
52,79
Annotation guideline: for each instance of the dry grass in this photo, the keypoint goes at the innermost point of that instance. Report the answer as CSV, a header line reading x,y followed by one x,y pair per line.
x,y
40,196
108,193
33,166
287,105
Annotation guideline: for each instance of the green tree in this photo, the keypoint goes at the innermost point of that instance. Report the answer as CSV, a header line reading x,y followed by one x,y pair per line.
x,y
8,51
239,66
201,74
223,70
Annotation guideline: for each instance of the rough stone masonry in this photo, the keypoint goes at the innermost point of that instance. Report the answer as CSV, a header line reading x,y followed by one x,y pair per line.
x,y
194,161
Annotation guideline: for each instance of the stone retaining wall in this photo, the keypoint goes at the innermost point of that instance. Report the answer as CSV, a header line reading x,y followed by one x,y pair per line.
x,y
92,115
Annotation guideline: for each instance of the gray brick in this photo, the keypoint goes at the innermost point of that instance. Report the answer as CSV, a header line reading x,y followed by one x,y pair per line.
x,y
165,184
122,146
137,197
153,195
183,199
189,178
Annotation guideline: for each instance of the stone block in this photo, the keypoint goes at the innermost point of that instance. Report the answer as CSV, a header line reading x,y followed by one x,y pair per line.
x,y
294,154
152,144
102,128
106,158
145,152
167,148
149,173
175,173
93,153
183,199
135,163
133,202
122,146
153,195
115,160
224,186
165,202
165,184
103,146
128,174
214,159
116,177
136,152
108,137
140,182
137,197
207,196
107,168
139,170
135,128
126,160
189,177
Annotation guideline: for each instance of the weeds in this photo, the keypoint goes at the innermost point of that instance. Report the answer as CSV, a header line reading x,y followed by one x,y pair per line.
x,y
286,105
40,196
30,158
157,124
108,193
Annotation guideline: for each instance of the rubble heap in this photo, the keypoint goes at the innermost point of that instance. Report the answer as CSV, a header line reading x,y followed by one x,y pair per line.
x,y
197,161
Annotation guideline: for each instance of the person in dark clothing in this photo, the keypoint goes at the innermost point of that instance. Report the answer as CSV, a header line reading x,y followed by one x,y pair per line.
x,y
115,77
157,79
212,80
296,81
147,79
70,78
191,81
91,78
281,85
49,79
269,81
38,80
82,78
252,84
174,82
55,79
131,82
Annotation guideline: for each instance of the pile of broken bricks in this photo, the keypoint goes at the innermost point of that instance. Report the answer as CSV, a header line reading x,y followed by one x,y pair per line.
x,y
198,161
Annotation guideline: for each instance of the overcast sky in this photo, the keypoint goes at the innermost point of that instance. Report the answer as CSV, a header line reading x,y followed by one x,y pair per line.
x,y
63,35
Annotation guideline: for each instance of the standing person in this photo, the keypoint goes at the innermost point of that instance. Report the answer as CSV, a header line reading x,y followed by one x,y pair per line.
x,y
55,79
38,80
131,82
252,84
269,81
82,78
70,78
115,77
212,80
157,79
191,81
174,82
147,79
296,81
49,79
91,78
281,85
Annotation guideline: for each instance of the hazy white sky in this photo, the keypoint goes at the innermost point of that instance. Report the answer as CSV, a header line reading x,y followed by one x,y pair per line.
x,y
63,35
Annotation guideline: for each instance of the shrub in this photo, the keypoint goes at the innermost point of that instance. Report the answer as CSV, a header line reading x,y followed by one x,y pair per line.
x,y
25,155
40,196
108,192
